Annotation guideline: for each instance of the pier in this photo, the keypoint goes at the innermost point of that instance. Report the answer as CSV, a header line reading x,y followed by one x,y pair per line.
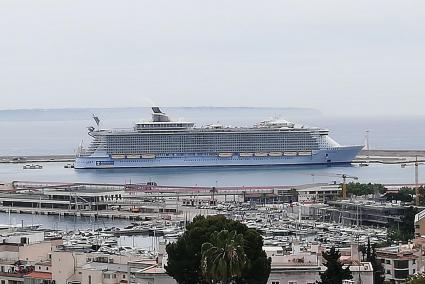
x,y
390,156
371,156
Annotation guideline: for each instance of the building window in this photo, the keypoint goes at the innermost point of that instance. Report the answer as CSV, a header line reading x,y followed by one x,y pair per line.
x,y
275,282
89,279
401,274
401,264
388,271
292,282
388,261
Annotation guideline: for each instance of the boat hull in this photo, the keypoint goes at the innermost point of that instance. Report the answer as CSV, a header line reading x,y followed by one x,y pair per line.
x,y
338,155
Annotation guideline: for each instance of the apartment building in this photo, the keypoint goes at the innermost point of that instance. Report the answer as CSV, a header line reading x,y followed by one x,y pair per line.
x,y
399,262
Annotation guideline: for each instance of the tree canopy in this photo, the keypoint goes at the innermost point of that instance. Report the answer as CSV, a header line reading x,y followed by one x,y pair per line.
x,y
405,194
185,255
335,272
359,189
224,257
405,230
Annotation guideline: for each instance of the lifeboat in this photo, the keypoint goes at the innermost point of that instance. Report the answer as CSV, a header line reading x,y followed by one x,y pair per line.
x,y
133,156
246,154
304,153
225,155
261,154
116,156
275,154
148,156
290,153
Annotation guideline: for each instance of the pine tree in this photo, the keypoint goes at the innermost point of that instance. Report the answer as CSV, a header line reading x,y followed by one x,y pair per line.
x,y
335,272
378,270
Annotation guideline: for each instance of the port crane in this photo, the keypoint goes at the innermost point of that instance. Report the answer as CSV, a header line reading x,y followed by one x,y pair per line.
x,y
416,164
344,178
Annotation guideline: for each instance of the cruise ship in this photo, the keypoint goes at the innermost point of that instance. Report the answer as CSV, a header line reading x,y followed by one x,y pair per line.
x,y
162,142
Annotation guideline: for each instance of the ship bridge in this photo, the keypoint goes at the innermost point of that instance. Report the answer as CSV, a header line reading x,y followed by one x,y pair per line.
x,y
161,121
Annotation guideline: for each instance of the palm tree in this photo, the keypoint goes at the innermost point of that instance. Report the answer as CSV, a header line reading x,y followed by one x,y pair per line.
x,y
223,258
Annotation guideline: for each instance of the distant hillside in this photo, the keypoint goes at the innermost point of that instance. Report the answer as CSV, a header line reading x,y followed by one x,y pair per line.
x,y
132,113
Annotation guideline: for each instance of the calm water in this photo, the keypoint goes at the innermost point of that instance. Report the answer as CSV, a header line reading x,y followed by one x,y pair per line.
x,y
235,176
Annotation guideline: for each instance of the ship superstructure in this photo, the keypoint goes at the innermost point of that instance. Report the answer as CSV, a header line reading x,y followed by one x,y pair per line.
x,y
162,142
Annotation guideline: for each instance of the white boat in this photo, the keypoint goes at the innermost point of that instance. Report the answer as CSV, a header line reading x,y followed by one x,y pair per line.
x,y
290,154
32,167
275,154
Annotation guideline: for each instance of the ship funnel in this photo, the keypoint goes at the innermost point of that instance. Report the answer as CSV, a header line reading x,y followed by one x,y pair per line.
x,y
159,116
97,120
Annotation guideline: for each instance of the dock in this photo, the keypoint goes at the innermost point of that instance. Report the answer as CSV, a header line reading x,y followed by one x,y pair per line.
x,y
389,156
37,159
369,156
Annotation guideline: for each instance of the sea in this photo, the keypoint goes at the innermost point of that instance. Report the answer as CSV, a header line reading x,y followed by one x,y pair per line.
x,y
61,131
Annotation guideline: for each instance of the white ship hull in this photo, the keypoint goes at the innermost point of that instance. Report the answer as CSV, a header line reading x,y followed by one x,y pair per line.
x,y
338,155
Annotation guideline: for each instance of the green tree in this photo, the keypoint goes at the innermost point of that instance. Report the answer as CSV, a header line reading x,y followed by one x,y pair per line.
x,y
184,255
421,191
405,230
335,272
405,194
223,258
417,279
359,189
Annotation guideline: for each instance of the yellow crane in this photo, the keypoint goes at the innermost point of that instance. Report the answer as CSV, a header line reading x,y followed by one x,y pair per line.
x,y
344,183
416,164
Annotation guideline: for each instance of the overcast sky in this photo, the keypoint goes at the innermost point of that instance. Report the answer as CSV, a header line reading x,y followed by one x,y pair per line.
x,y
341,57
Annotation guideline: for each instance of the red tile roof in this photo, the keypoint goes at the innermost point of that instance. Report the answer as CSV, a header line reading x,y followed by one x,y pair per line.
x,y
39,275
